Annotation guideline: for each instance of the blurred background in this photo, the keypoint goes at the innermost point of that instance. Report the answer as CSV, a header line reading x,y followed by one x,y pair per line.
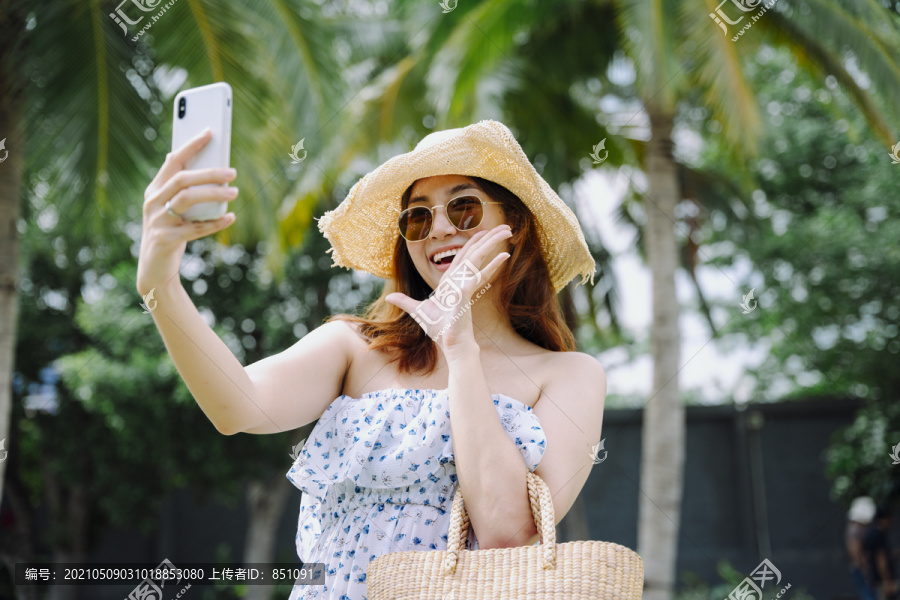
x,y
735,167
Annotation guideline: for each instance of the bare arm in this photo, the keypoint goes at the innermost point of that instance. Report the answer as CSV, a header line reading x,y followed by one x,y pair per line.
x,y
213,374
854,549
295,387
884,570
280,393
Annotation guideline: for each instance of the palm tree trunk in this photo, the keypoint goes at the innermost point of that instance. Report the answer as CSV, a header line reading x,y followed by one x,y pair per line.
x,y
662,446
10,179
19,546
266,499
70,517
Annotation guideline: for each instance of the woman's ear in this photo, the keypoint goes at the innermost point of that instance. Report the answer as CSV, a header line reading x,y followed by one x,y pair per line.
x,y
518,231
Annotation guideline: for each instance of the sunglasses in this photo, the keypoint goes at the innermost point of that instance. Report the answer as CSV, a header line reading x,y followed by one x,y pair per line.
x,y
464,212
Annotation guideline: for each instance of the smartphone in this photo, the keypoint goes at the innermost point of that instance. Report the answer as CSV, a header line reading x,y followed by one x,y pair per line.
x,y
195,110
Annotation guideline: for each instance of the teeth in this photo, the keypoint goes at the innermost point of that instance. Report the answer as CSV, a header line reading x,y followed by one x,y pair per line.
x,y
441,255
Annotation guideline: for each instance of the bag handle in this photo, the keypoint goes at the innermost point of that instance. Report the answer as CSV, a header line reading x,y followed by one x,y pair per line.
x,y
541,509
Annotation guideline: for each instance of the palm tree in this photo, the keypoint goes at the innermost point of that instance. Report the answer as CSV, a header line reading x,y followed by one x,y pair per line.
x,y
10,179
533,65
668,32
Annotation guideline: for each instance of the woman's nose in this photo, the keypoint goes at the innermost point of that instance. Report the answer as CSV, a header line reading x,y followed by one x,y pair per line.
x,y
441,226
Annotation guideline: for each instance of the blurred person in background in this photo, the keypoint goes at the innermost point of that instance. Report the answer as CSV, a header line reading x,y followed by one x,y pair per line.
x,y
859,518
879,558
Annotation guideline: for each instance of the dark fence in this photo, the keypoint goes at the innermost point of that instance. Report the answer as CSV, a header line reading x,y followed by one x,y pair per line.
x,y
754,488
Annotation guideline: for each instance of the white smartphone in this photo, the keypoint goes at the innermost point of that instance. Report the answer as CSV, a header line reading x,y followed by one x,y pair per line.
x,y
195,110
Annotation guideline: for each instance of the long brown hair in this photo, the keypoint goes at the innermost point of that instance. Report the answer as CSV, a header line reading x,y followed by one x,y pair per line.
x,y
526,294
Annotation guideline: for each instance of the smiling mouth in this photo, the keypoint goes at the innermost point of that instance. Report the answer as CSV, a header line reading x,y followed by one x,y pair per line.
x,y
445,257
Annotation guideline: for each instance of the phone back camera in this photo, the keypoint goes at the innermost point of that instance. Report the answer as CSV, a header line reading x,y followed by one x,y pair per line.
x,y
182,108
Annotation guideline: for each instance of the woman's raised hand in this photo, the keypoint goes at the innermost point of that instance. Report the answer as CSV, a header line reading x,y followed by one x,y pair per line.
x,y
164,237
446,315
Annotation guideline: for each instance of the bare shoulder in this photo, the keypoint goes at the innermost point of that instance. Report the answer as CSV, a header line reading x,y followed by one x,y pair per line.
x,y
294,387
571,365
580,363
355,345
346,332
574,371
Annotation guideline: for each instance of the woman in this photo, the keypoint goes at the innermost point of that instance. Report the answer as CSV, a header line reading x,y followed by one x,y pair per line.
x,y
467,387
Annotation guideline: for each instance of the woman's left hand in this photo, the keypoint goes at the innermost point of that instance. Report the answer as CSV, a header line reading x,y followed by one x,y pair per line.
x,y
445,315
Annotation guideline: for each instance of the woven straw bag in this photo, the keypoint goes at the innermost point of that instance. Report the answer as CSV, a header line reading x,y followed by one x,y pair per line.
x,y
571,571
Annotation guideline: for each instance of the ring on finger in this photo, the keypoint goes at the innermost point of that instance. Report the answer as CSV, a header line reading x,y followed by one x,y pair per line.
x,y
172,212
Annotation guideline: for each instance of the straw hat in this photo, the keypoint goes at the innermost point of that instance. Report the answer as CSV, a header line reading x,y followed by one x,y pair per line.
x,y
363,228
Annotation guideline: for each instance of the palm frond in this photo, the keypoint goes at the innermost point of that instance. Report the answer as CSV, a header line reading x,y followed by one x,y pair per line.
x,y
650,40
483,38
870,34
820,60
718,73
307,48
91,126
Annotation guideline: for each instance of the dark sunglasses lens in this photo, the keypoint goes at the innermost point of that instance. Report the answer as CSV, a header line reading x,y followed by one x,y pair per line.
x,y
465,212
415,223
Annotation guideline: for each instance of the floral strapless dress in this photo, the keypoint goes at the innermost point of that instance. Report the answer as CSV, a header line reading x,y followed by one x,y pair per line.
x,y
378,475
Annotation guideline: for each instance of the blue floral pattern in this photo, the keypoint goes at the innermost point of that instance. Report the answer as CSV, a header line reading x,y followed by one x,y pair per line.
x,y
378,475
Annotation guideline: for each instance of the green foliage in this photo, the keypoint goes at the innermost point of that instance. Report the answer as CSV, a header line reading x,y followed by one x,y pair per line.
x,y
695,588
826,266
825,245
858,460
